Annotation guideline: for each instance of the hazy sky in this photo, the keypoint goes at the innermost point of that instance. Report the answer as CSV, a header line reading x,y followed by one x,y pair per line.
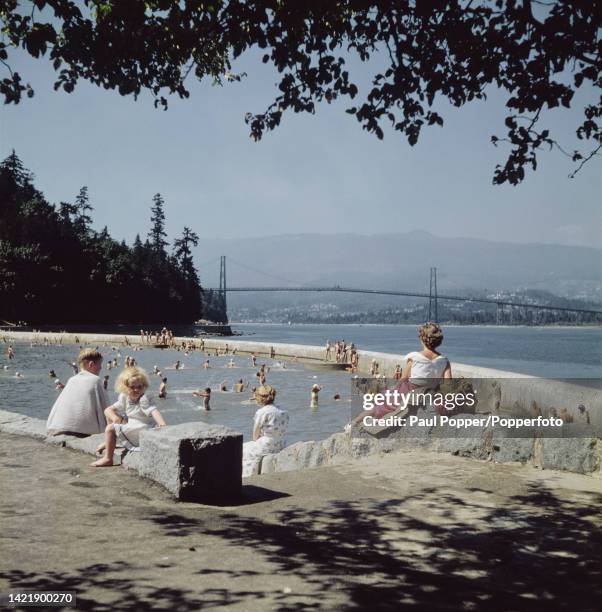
x,y
319,173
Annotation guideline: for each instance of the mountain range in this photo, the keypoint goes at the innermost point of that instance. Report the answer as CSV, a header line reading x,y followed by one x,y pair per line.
x,y
399,261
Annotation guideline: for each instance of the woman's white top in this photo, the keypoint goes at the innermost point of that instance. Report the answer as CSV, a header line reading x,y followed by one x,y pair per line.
x,y
272,422
424,368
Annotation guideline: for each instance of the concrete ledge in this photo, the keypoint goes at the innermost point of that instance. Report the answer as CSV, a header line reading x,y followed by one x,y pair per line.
x,y
195,462
517,394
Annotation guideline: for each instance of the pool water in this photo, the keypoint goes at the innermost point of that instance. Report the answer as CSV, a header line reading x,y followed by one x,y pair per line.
x,y
34,394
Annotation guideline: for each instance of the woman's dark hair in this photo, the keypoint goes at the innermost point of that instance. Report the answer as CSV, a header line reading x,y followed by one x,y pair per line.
x,y
207,389
431,335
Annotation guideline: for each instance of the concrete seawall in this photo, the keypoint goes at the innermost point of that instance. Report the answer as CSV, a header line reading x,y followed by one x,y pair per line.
x,y
498,391
514,393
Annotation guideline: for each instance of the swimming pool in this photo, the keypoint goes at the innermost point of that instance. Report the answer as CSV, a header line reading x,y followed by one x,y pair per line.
x,y
35,393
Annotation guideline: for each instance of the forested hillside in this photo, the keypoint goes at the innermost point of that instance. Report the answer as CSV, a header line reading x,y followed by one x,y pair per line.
x,y
54,268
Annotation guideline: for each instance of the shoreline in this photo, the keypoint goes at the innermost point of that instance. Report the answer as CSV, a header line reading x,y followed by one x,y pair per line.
x,y
413,325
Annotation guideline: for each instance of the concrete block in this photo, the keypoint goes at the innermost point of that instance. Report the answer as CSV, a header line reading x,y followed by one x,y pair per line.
x,y
506,449
362,447
194,461
571,454
470,442
294,457
268,464
131,461
337,447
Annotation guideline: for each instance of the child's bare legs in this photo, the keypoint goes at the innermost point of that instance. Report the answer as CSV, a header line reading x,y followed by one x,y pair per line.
x,y
109,448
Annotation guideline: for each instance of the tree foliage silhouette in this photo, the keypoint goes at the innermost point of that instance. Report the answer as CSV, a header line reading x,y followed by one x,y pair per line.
x,y
538,53
54,268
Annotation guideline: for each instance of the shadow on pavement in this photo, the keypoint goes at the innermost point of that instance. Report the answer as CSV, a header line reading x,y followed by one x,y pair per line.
x,y
432,550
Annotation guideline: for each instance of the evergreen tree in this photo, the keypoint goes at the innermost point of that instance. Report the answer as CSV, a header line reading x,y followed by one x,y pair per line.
x,y
191,282
14,167
83,221
157,232
183,253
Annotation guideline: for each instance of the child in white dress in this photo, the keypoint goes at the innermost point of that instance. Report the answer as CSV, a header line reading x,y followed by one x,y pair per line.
x,y
269,430
129,415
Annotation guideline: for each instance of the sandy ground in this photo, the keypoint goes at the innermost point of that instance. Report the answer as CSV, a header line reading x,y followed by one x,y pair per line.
x,y
417,530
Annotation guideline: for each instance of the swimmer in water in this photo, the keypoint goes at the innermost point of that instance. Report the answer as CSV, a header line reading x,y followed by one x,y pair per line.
x,y
163,388
314,396
239,386
206,365
206,395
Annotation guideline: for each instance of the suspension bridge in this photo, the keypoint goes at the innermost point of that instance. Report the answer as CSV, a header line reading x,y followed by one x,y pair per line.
x,y
432,296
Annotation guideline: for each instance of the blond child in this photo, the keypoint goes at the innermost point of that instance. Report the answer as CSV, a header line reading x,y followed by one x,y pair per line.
x,y
129,415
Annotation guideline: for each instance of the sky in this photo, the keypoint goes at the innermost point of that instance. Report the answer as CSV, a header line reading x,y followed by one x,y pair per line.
x,y
313,174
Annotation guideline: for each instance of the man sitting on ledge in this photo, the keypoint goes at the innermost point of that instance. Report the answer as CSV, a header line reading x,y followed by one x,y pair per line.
x,y
79,409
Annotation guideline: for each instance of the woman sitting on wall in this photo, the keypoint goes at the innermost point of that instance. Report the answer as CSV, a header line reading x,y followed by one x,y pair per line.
x,y
423,370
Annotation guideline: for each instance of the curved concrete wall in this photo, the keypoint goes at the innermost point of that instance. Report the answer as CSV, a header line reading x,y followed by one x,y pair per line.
x,y
496,389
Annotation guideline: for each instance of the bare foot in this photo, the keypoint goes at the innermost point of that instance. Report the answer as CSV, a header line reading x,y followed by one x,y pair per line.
x,y
100,448
102,463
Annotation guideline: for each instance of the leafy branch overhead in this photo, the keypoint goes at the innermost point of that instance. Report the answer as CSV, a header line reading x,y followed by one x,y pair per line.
x,y
539,52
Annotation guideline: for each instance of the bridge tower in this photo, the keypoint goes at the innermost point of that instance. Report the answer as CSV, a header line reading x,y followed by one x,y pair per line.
x,y
222,280
433,314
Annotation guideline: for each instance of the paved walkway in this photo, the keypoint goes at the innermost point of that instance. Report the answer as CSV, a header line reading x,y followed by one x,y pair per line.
x,y
422,529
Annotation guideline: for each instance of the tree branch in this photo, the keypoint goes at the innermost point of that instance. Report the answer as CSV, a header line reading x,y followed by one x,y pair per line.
x,y
584,161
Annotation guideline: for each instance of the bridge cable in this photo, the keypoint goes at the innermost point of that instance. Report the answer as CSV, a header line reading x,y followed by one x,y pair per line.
x,y
286,280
